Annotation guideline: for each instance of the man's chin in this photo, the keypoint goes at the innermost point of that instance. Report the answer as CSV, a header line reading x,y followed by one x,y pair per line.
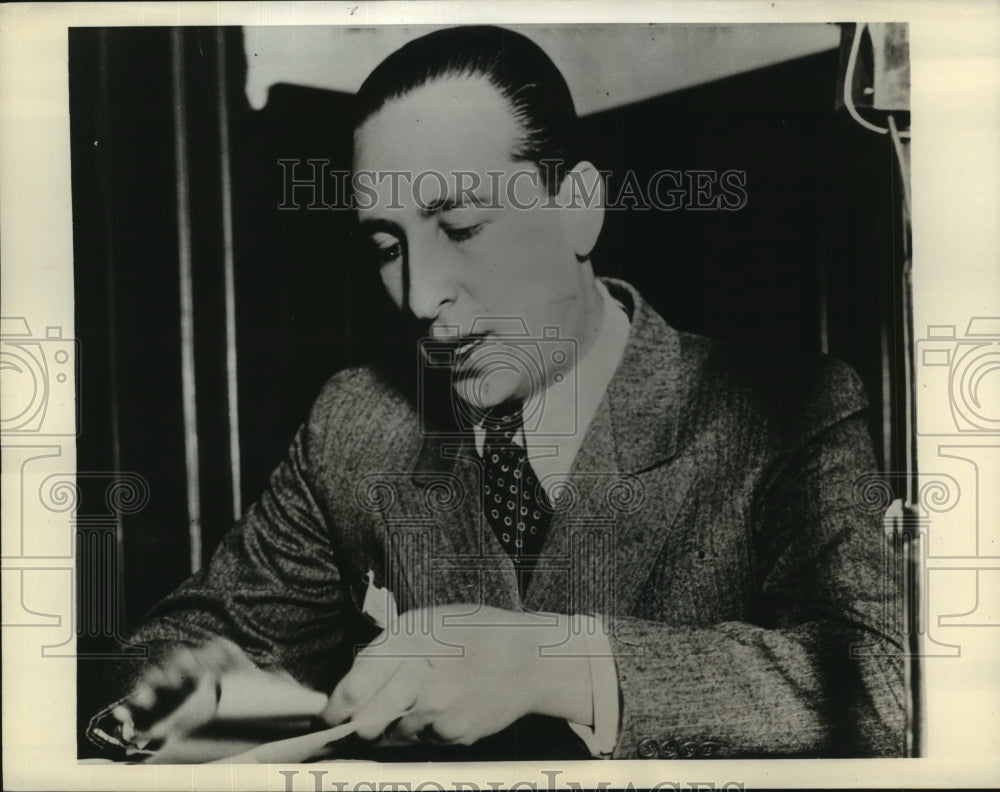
x,y
483,395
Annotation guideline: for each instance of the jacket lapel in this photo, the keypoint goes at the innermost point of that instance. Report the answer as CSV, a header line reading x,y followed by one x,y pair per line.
x,y
626,487
444,550
573,572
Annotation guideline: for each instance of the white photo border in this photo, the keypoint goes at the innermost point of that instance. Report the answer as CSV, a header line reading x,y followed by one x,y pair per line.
x,y
955,62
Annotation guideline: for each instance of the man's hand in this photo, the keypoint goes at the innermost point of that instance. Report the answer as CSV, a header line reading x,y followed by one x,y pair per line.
x,y
181,693
457,673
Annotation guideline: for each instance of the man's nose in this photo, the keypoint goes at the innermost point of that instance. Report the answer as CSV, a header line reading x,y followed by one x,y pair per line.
x,y
430,286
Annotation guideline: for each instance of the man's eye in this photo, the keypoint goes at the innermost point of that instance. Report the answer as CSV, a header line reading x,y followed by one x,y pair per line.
x,y
462,233
385,248
386,254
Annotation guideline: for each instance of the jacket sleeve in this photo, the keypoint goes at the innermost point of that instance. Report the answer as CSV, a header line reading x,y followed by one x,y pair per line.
x,y
813,670
273,586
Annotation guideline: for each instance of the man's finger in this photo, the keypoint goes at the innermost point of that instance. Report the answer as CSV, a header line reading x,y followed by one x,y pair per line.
x,y
369,674
159,702
142,698
415,726
395,697
156,695
197,709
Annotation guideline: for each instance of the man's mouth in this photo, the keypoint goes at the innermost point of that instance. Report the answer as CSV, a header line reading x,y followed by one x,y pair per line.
x,y
457,353
466,345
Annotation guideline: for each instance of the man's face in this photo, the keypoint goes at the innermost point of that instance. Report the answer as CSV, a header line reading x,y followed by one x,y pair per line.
x,y
473,255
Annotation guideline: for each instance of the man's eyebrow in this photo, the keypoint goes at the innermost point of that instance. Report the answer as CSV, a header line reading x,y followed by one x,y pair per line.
x,y
447,203
375,224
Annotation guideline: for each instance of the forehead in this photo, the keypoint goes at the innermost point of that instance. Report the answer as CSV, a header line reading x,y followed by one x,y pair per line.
x,y
460,123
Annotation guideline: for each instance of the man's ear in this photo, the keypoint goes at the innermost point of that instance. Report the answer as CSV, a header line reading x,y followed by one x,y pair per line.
x,y
581,196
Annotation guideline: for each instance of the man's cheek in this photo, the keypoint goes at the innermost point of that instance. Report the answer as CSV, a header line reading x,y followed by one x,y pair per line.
x,y
540,242
526,256
392,280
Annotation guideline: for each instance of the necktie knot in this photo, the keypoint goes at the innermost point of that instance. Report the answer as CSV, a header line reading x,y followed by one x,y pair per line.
x,y
504,418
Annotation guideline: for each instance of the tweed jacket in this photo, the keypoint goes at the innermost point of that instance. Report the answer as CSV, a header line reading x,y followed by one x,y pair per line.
x,y
709,519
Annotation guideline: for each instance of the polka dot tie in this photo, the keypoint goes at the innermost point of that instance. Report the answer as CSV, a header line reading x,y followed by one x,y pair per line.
x,y
514,501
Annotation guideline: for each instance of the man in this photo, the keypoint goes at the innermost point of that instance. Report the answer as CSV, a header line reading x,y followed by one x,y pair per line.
x,y
601,523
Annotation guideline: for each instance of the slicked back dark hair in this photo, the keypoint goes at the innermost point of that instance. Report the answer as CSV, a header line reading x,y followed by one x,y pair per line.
x,y
518,68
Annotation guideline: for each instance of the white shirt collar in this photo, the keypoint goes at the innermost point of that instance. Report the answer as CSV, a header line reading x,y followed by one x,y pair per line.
x,y
564,410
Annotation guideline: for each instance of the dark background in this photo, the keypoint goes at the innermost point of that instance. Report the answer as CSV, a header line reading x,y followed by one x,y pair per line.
x,y
809,262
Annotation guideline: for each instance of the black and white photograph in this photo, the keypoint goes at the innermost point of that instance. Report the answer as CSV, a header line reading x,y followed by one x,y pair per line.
x,y
499,392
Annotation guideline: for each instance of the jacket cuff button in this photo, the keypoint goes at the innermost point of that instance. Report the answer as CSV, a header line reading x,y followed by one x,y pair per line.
x,y
688,750
647,749
668,749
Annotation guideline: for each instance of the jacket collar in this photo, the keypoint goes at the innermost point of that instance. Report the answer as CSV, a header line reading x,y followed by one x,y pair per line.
x,y
642,397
